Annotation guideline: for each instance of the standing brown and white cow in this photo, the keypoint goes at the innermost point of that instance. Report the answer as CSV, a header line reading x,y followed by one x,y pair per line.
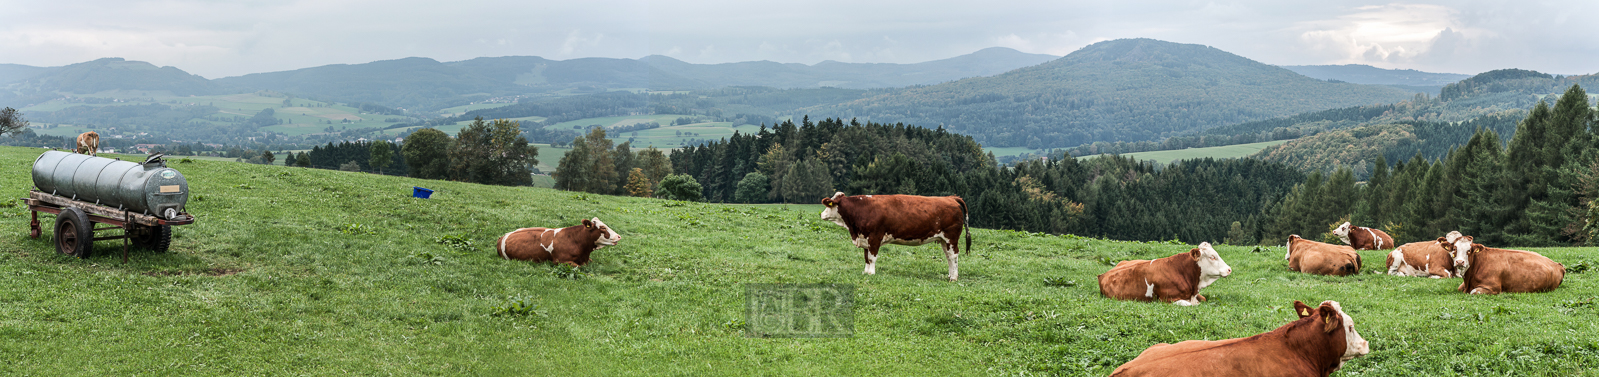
x,y
570,245
1176,279
908,220
1429,259
1493,271
1321,258
88,143
1317,344
1363,238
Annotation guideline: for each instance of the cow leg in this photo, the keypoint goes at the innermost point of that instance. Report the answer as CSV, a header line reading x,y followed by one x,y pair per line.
x,y
871,260
953,256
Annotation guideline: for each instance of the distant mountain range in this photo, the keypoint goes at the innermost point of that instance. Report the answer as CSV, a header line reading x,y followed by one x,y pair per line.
x,y
422,83
1120,90
1408,79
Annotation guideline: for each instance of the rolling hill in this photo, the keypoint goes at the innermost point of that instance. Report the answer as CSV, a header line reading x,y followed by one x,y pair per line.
x,y
985,62
1128,90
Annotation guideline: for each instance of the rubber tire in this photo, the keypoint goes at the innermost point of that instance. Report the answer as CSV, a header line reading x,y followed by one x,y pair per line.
x,y
156,238
74,233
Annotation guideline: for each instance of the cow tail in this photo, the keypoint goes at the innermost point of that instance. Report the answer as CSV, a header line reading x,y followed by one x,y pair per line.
x,y
966,218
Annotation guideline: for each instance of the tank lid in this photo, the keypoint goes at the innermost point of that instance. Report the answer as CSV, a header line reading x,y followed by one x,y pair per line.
x,y
156,159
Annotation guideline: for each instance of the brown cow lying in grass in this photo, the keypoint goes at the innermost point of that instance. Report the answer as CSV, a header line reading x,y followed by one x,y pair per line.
x,y
1492,271
1363,238
88,143
1176,279
1428,259
1317,344
570,245
1321,258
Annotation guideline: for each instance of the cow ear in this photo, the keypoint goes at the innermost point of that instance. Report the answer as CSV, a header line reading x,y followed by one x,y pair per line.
x,y
1301,309
1330,319
587,223
1477,247
1194,252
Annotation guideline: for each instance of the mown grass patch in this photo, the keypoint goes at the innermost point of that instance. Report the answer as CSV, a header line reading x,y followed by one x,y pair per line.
x,y
323,272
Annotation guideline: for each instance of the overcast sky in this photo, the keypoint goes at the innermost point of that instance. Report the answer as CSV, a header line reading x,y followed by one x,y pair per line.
x,y
229,38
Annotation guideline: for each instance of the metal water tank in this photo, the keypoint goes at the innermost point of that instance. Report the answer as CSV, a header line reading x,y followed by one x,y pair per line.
x,y
150,187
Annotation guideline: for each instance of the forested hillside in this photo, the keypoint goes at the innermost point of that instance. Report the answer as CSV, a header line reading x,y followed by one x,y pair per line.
x,y
406,83
1484,95
1537,189
1121,90
1357,148
1194,201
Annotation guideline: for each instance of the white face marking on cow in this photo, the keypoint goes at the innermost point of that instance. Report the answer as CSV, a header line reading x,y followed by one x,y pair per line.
x,y
1452,236
1354,345
609,238
830,213
1462,249
1343,233
1211,266
1289,248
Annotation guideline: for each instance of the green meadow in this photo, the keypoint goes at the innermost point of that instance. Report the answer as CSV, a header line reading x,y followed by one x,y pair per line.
x,y
292,271
1225,151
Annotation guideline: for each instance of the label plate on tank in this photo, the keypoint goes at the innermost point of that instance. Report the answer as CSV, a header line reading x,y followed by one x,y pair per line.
x,y
168,175
169,188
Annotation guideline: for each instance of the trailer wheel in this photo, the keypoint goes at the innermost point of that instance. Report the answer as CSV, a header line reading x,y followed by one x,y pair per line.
x,y
74,233
156,238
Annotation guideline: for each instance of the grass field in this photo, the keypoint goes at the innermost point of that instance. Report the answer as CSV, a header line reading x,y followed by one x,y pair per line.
x,y
1009,151
303,117
1226,151
314,272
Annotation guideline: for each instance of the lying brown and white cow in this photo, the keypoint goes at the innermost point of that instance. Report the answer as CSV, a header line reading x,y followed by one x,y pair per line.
x,y
88,143
1363,238
570,245
911,220
1176,279
1493,271
1321,258
1429,259
1317,344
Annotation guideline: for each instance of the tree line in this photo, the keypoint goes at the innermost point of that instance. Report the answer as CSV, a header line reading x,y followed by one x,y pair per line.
x,y
1537,189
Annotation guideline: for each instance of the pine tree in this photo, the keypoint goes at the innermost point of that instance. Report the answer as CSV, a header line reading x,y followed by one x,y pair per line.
x,y
601,163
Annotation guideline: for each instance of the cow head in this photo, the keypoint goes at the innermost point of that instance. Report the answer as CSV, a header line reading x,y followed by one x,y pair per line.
x,y
607,237
1343,232
830,213
1332,318
1211,267
1460,249
1290,246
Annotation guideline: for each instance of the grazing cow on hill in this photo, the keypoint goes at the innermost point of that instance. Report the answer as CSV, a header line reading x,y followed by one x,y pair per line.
x,y
1321,258
570,245
1363,238
909,220
1176,279
88,143
1491,271
1428,259
1317,344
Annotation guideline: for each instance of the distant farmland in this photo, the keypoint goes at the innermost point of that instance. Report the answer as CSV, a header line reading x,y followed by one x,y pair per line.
x,y
1226,151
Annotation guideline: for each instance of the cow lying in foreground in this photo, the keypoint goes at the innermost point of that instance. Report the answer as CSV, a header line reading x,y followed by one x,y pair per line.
x,y
1176,279
1429,259
570,245
1493,271
1317,344
1321,258
88,143
909,220
1363,238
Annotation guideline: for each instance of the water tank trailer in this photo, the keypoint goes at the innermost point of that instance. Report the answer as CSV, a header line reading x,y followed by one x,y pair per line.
x,y
143,199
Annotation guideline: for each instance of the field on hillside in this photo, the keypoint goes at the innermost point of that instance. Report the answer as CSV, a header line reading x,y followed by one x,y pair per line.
x,y
294,271
303,117
1225,151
